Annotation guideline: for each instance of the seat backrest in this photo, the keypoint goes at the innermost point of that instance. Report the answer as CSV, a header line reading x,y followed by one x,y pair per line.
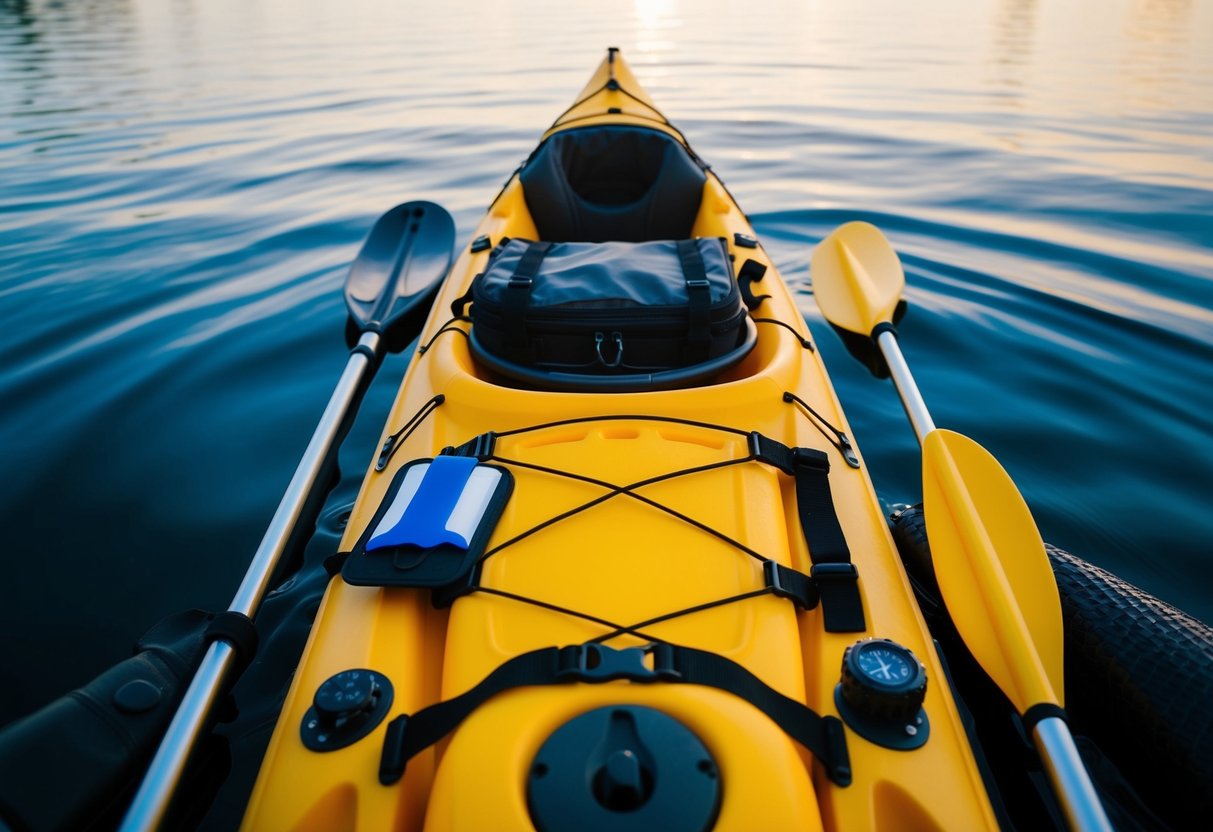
x,y
595,184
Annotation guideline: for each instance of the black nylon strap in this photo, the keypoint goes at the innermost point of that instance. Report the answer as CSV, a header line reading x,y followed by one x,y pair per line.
x,y
408,736
699,301
835,575
823,736
459,305
516,299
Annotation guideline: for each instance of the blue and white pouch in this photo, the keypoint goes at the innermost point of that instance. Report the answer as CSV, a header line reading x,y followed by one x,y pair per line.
x,y
432,526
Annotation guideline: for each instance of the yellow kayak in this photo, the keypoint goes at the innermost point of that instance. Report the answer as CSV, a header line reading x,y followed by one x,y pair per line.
x,y
679,605
617,565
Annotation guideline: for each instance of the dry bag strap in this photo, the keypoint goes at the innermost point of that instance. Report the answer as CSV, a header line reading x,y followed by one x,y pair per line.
x,y
517,297
594,663
836,578
699,301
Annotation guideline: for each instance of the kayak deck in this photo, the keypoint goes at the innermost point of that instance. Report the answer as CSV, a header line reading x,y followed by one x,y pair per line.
x,y
632,510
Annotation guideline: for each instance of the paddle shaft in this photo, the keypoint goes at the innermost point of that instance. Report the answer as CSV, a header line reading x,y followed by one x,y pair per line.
x,y
1071,782
1068,773
903,381
148,808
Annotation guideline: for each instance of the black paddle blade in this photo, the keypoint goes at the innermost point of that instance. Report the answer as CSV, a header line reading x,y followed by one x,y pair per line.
x,y
396,276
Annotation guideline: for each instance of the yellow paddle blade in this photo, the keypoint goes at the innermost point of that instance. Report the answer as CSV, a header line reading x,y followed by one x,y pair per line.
x,y
857,277
992,569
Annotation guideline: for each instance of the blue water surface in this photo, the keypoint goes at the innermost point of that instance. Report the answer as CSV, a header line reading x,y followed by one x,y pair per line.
x,y
182,185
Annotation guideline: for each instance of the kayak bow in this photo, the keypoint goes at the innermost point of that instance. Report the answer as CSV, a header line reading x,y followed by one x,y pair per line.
x,y
664,600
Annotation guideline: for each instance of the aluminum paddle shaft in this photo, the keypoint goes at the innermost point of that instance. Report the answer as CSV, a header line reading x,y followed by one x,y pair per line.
x,y
987,553
903,381
148,808
1068,775
388,293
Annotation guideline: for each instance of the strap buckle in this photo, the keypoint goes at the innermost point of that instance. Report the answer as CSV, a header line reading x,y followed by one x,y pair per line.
x,y
790,584
479,447
834,573
597,663
776,454
811,458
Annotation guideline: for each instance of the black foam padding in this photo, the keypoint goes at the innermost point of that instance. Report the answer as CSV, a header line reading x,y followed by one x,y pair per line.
x,y
629,184
1139,681
1138,684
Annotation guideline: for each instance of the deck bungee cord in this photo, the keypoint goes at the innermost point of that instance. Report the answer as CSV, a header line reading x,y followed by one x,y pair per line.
x,y
831,558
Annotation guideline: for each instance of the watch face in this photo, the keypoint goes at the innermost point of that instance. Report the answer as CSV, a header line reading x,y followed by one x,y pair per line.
x,y
885,665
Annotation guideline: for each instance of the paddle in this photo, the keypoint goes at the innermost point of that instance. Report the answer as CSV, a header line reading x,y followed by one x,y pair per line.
x,y
999,589
858,280
988,556
388,293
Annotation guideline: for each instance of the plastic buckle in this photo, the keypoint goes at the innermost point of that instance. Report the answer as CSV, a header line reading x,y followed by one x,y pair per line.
x,y
484,445
479,447
597,663
772,453
520,282
811,458
834,572
698,284
755,444
392,761
772,575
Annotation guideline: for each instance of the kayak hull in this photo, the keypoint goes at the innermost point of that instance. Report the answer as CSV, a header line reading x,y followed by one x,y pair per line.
x,y
623,560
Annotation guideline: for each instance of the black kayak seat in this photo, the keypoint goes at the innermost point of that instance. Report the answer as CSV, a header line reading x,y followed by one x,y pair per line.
x,y
612,183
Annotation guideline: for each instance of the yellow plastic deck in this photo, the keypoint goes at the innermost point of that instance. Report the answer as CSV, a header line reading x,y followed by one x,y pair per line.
x,y
623,561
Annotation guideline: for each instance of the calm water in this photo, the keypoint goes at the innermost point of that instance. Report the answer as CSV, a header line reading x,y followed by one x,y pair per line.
x,y
182,184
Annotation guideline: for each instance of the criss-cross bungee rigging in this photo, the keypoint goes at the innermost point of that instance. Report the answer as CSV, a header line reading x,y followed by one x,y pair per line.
x,y
680,551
